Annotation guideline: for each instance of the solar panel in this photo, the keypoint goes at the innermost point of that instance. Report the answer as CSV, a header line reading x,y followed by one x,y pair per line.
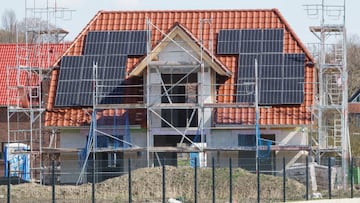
x,y
293,97
251,34
75,86
250,47
116,42
281,76
294,65
271,59
97,36
137,48
246,90
272,46
227,48
229,35
266,84
250,41
273,34
95,48
228,42
270,98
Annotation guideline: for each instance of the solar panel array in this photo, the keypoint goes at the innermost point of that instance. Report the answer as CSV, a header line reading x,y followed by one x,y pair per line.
x,y
280,76
109,51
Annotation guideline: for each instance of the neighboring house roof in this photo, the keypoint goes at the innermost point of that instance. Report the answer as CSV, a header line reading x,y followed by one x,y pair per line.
x,y
190,22
14,54
354,103
355,98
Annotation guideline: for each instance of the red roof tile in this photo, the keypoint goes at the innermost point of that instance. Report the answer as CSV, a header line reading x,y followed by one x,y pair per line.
x,y
190,19
38,57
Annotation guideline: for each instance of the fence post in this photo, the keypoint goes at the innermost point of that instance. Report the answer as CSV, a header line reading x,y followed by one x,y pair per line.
x,y
258,179
284,180
129,179
230,176
163,182
9,182
352,177
307,178
195,181
213,180
329,176
93,180
53,180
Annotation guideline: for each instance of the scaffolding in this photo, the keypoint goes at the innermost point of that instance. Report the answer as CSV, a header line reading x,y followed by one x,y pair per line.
x,y
25,88
331,108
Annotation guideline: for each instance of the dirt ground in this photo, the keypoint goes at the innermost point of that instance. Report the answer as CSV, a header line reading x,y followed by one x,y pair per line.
x,y
147,187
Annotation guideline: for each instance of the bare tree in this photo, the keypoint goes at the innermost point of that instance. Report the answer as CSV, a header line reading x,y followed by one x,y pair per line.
x,y
353,63
9,21
31,30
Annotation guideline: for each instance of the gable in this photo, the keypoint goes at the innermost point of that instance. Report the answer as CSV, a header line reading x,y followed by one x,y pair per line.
x,y
181,48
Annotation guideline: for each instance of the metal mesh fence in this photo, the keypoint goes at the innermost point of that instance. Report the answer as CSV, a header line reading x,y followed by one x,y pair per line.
x,y
218,180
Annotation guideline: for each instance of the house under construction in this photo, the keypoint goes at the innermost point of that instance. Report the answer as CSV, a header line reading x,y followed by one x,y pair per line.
x,y
148,85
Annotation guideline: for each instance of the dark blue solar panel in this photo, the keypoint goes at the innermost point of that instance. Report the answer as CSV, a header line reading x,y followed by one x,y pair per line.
x,y
294,65
119,36
97,37
116,61
293,97
229,35
250,41
96,48
71,61
67,93
228,48
250,47
251,35
273,34
271,71
248,59
75,88
271,59
91,60
118,48
270,98
280,76
137,48
266,84
272,46
116,42
246,90
294,59
294,84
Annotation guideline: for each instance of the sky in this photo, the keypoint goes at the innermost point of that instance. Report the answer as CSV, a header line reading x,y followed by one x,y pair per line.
x,y
80,12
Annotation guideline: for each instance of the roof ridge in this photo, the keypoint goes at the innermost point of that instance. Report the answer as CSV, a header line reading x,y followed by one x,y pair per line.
x,y
183,10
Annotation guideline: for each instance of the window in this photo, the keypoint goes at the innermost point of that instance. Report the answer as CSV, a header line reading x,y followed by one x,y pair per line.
x,y
185,91
247,140
111,159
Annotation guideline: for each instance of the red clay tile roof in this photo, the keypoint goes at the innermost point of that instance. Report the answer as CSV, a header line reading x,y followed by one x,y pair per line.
x,y
38,58
190,19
